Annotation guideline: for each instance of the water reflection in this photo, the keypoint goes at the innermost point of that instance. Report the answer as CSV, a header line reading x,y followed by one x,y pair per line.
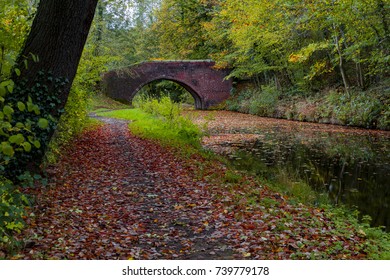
x,y
352,169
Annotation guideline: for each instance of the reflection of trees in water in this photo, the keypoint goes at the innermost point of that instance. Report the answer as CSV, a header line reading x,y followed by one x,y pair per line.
x,y
353,169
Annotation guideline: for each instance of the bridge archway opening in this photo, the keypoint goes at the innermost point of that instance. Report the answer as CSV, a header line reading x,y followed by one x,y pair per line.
x,y
178,91
206,84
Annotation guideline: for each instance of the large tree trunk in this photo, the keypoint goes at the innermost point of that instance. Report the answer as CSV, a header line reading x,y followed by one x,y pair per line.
x,y
57,37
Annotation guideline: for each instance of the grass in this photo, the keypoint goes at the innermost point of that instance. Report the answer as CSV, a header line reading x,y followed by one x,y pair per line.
x,y
175,130
173,133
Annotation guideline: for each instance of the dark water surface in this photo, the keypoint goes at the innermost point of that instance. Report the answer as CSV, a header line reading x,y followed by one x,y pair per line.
x,y
352,169
351,166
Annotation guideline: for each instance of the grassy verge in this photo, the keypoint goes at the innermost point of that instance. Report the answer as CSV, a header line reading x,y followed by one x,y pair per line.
x,y
162,121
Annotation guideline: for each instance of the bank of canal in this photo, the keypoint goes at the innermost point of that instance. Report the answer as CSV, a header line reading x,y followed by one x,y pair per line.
x,y
351,166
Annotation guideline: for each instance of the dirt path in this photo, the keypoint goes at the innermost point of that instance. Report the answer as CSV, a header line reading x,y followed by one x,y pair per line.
x,y
115,196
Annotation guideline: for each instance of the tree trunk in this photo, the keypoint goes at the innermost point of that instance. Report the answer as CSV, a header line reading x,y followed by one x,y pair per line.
x,y
360,76
57,37
341,64
99,29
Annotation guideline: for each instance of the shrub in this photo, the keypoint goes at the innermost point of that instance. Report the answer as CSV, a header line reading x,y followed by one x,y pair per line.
x,y
23,131
12,211
170,114
364,109
264,102
161,120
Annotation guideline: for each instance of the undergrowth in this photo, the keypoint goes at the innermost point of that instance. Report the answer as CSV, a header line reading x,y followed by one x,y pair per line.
x,y
368,109
160,120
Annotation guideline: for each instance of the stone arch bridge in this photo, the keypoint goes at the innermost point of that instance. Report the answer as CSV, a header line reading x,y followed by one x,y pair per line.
x,y
206,84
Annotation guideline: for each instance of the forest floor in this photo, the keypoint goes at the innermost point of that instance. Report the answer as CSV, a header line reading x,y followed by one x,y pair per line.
x,y
115,196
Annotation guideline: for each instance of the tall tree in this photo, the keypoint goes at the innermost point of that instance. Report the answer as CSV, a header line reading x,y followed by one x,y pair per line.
x,y
45,70
57,37
180,28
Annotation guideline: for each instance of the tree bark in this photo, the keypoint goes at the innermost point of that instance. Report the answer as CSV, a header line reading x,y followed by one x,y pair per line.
x,y
341,64
57,37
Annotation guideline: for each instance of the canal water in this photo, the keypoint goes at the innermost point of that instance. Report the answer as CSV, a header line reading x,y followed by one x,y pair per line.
x,y
350,166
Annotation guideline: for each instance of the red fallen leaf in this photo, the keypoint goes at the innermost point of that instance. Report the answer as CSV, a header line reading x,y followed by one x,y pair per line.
x,y
249,226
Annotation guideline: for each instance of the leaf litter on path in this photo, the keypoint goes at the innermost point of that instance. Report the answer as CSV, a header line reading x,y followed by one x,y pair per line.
x,y
116,196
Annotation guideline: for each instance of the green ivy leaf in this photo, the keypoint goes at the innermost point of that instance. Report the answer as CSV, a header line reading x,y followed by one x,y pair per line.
x,y
16,139
36,110
27,146
3,91
34,57
6,125
21,106
17,72
37,144
25,200
43,123
30,106
10,86
19,125
7,149
8,111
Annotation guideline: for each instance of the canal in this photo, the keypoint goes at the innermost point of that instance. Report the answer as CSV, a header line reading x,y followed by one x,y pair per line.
x,y
350,166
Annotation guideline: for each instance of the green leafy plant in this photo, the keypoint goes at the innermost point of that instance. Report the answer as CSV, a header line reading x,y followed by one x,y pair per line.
x,y
162,120
12,211
17,135
264,103
29,118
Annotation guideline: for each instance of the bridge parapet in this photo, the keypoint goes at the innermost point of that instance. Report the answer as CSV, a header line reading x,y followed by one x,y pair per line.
x,y
206,84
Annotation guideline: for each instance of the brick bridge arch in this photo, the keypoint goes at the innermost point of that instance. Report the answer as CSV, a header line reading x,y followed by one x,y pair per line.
x,y
206,84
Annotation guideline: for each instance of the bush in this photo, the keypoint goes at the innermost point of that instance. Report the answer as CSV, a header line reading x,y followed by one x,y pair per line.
x,y
263,103
368,109
384,119
12,211
161,120
235,103
23,131
170,114
364,109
